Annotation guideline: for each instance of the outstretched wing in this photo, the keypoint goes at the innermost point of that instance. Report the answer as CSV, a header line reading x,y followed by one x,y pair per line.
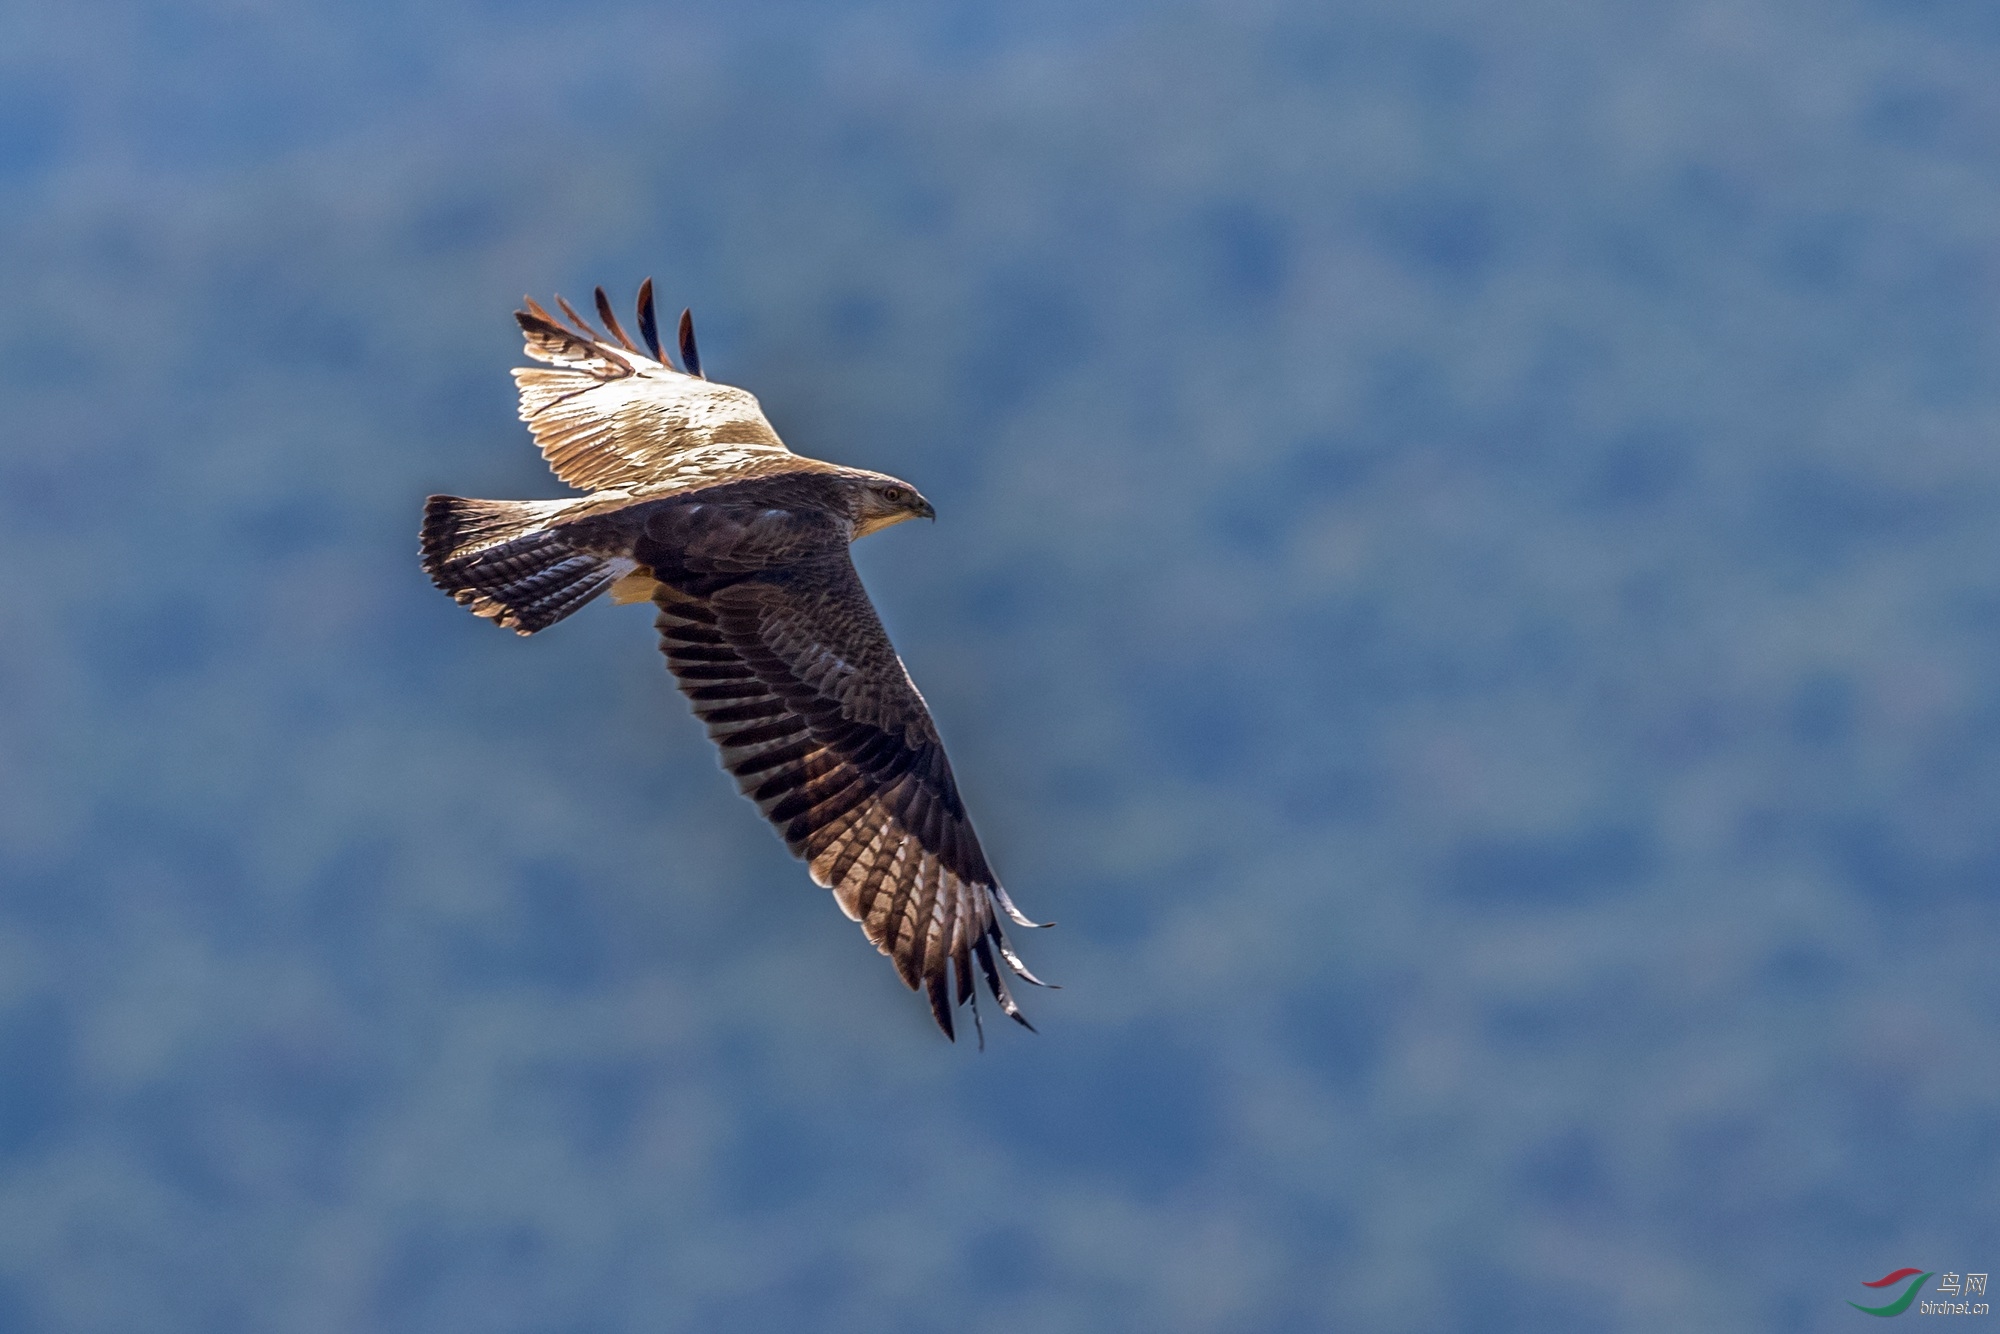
x,y
609,417
822,727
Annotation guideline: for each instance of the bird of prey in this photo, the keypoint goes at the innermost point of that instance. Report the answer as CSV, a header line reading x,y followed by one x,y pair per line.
x,y
694,504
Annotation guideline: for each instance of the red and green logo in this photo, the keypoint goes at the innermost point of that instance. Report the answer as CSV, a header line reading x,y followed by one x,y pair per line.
x,y
1902,1303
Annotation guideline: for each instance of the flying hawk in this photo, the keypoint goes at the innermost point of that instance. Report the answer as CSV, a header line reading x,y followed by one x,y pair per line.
x,y
696,505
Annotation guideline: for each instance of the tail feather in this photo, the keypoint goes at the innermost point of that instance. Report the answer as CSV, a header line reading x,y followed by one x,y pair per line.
x,y
506,561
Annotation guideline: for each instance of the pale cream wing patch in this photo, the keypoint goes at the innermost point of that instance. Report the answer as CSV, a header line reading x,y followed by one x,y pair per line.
x,y
609,418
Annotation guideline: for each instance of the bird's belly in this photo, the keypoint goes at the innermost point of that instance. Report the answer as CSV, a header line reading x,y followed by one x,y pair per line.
x,y
637,586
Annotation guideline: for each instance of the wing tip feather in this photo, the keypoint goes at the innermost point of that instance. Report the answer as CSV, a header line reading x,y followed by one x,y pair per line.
x,y
649,322
610,318
690,355
935,990
1007,906
577,321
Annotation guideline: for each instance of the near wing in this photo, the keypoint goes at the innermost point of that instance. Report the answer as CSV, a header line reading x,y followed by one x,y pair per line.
x,y
609,417
824,730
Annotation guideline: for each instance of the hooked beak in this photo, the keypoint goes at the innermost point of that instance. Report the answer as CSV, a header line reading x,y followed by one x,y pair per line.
x,y
925,511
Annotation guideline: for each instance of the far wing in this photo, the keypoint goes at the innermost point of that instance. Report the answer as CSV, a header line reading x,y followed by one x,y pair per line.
x,y
609,417
824,730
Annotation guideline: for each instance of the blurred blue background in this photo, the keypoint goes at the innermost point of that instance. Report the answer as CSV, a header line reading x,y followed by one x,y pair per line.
x,y
1467,582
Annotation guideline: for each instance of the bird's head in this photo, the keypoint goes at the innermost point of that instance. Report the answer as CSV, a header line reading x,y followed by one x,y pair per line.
x,y
881,500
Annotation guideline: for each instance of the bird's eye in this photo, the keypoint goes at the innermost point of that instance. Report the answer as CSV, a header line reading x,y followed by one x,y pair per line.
x,y
895,495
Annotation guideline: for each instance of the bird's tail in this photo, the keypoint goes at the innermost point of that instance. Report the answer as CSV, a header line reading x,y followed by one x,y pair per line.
x,y
510,561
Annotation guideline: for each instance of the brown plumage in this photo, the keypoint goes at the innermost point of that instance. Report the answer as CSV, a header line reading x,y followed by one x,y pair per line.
x,y
696,504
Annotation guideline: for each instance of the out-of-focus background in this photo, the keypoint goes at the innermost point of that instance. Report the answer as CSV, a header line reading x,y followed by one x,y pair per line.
x,y
1467,581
